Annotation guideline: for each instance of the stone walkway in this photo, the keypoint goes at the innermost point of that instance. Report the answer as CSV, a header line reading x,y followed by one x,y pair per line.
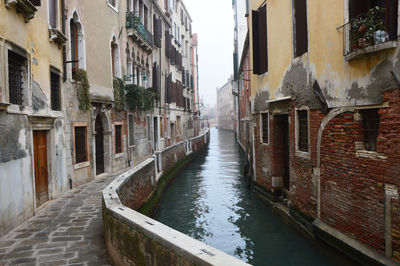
x,y
68,231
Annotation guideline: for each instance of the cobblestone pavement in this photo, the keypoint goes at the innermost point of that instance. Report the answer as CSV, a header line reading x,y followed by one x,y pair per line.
x,y
68,231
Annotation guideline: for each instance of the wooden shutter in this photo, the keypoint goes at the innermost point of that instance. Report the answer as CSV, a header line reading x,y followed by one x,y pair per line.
x,y
157,31
392,9
301,34
263,46
256,56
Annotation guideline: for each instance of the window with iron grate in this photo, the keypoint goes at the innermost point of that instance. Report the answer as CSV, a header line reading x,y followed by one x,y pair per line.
x,y
80,144
265,127
131,130
55,91
302,116
16,69
118,139
370,128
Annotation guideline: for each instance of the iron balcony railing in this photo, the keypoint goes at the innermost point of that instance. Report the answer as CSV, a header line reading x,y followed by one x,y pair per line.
x,y
133,22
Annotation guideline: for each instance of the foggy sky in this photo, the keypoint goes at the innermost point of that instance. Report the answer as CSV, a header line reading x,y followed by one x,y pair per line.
x,y
213,21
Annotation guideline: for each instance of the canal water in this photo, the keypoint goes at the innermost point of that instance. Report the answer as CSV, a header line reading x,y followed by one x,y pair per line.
x,y
210,201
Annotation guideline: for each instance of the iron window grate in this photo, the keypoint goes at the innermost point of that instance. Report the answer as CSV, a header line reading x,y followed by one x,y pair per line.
x,y
80,145
55,91
303,130
371,128
16,64
131,128
118,139
265,127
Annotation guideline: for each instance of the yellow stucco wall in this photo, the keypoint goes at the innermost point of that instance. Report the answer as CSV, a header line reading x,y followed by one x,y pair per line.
x,y
324,61
33,37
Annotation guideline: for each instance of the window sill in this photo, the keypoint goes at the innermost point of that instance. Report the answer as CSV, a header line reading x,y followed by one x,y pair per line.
x,y
23,6
370,49
303,154
3,106
57,36
81,165
119,155
370,155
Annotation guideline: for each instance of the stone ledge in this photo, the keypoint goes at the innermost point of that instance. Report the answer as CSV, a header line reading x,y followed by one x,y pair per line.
x,y
151,236
350,246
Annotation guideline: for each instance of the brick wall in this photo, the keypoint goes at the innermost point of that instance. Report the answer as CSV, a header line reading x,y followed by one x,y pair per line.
x,y
172,155
352,187
303,186
137,189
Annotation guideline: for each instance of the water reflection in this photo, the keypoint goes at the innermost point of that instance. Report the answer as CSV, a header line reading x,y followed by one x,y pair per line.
x,y
210,201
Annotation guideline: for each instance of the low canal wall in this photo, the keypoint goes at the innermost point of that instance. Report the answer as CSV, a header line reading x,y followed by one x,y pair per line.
x,y
135,239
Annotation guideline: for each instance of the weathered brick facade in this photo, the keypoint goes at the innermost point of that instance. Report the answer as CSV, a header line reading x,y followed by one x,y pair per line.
x,y
352,180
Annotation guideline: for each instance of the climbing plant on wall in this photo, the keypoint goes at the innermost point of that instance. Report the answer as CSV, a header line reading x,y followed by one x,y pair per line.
x,y
80,76
119,93
140,99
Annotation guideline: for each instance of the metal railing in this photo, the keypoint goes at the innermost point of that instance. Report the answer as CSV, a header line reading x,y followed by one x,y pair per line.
x,y
133,22
366,30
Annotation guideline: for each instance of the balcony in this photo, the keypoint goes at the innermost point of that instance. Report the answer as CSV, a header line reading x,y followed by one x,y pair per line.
x,y
138,32
366,34
23,6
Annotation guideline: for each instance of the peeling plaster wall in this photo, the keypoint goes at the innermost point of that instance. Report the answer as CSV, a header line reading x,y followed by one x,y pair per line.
x,y
16,183
344,83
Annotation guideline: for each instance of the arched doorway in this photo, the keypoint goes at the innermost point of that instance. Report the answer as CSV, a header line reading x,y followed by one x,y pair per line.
x,y
99,145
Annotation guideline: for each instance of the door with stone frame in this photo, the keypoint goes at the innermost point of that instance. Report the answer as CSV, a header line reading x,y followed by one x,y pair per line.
x,y
41,170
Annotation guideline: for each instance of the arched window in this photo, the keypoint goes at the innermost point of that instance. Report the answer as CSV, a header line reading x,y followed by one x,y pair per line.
x,y
115,59
77,47
74,46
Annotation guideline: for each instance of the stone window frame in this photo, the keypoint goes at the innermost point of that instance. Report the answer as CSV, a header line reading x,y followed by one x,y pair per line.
x,y
113,7
121,124
261,129
87,162
298,152
76,19
54,70
27,91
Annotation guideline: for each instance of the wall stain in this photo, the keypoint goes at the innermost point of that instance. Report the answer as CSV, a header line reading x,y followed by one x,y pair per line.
x,y
10,128
39,99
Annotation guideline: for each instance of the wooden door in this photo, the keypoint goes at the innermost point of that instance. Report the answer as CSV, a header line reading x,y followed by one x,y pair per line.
x,y
41,171
99,146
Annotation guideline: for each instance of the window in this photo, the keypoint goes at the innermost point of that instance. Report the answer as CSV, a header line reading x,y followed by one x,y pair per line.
x,y
80,133
115,59
17,77
55,90
161,127
53,13
74,46
131,127
260,44
145,17
302,126
264,128
148,128
383,14
112,2
118,139
300,35
370,128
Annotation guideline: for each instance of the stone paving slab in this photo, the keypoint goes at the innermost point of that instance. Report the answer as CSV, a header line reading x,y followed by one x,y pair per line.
x,y
67,232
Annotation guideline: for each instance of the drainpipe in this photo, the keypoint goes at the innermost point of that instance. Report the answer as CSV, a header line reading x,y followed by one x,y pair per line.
x,y
64,56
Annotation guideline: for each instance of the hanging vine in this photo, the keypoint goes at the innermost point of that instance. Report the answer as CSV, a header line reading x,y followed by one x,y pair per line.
x,y
80,76
140,99
119,93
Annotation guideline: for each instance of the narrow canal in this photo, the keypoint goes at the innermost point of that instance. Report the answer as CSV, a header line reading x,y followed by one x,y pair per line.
x,y
210,201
